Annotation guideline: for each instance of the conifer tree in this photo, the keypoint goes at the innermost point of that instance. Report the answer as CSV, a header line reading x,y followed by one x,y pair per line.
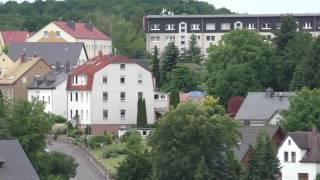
x,y
169,60
194,52
156,66
139,112
263,163
174,98
144,121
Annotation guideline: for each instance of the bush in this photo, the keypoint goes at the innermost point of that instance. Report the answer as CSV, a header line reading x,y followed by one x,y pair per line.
x,y
75,133
113,151
97,141
126,136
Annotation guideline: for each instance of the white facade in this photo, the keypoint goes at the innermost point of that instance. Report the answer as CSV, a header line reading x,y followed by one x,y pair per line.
x,y
55,99
290,155
113,98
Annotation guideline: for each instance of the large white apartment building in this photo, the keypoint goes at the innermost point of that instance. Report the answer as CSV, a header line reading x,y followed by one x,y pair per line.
x,y
209,29
103,93
69,31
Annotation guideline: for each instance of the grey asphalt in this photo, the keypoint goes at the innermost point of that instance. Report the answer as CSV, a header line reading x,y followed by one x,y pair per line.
x,y
86,170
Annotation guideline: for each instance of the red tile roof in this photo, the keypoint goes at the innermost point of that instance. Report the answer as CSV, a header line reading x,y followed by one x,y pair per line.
x,y
234,104
10,37
80,31
91,67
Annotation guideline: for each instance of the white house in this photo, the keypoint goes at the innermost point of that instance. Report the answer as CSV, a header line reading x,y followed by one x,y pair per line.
x,y
70,31
299,155
51,89
103,93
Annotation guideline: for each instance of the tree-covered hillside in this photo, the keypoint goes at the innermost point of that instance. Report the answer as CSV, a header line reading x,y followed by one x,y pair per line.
x,y
121,19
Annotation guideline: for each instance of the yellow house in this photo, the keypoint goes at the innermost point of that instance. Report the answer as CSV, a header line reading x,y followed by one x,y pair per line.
x,y
5,64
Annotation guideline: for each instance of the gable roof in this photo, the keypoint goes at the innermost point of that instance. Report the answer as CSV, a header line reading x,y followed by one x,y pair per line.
x,y
249,136
261,107
234,104
15,73
81,31
309,141
10,37
50,80
51,52
17,165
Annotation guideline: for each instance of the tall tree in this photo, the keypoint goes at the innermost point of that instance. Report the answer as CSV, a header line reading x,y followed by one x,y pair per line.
x,y
193,54
183,79
142,113
287,31
139,112
169,60
185,136
263,163
156,66
304,112
174,98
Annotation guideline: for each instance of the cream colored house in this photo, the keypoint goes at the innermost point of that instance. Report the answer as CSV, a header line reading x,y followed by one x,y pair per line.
x,y
62,31
5,64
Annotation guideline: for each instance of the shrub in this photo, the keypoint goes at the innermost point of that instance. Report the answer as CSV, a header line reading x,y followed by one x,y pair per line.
x,y
126,136
113,151
75,133
97,141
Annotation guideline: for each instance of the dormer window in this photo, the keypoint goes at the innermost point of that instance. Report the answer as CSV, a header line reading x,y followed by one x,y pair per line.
x,y
238,25
266,26
307,25
195,27
170,27
155,27
251,26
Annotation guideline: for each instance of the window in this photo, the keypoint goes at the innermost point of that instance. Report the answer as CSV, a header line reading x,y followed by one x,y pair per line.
x,y
81,96
122,80
122,66
251,26
24,80
81,114
293,156
266,26
170,38
278,25
303,176
122,114
122,96
156,96
163,96
71,114
76,97
238,25
105,114
225,26
139,78
45,34
43,98
183,42
182,37
307,25
170,26
183,27
155,38
57,33
211,26
198,37
195,26
289,142
140,94
105,79
105,96
155,27
286,157
48,99
210,38
71,96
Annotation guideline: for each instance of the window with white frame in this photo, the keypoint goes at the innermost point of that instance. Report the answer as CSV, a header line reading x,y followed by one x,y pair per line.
x,y
182,27
48,99
266,26
156,96
307,25
170,38
105,114
286,157
210,38
122,79
105,79
225,26
122,113
211,26
122,96
293,156
238,25
195,27
155,38
155,27
140,94
139,78
105,96
122,66
57,33
46,34
251,26
170,27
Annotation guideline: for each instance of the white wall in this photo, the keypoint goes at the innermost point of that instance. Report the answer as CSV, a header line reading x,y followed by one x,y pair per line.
x,y
94,46
290,169
42,95
82,104
113,87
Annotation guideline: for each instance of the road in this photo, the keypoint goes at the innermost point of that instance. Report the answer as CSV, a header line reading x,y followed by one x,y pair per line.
x,y
86,170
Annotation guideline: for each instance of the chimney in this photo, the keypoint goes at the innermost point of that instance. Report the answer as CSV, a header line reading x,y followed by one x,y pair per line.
x,y
100,55
2,161
269,92
70,24
89,26
23,56
67,67
58,66
34,55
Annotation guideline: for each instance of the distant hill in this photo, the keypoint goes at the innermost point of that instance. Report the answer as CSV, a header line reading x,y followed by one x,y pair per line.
x,y
108,15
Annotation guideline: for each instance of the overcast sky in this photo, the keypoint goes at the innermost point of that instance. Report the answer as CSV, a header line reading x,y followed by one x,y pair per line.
x,y
269,6
263,6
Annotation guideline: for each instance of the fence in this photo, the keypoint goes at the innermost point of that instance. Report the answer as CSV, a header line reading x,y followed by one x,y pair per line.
x,y
97,162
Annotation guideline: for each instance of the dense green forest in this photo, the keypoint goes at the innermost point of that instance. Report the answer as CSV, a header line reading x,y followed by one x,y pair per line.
x,y
121,19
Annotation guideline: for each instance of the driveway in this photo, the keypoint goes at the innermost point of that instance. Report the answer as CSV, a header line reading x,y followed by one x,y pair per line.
x,y
86,170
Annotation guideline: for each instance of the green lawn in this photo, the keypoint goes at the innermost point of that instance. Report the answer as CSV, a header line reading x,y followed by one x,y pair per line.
x,y
111,163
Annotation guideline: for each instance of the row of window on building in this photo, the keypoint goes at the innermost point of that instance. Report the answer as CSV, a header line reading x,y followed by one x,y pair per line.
x,y
84,114
157,38
224,26
44,98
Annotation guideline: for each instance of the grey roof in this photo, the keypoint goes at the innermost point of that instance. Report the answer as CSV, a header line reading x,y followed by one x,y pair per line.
x,y
50,80
259,106
143,62
249,136
16,166
231,15
50,52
